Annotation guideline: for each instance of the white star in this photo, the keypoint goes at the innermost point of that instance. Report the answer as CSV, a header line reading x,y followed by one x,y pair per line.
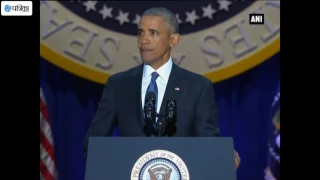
x,y
105,12
90,5
137,20
179,20
192,17
224,4
208,11
122,17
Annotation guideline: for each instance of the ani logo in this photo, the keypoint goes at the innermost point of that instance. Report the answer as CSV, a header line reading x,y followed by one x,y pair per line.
x,y
95,39
160,165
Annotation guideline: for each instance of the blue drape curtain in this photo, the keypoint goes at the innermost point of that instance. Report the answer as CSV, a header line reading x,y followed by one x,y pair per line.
x,y
244,105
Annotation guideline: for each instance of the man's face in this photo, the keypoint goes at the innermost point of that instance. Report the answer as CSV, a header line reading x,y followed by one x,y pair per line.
x,y
154,39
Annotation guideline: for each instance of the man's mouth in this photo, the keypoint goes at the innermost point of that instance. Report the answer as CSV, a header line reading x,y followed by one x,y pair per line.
x,y
145,50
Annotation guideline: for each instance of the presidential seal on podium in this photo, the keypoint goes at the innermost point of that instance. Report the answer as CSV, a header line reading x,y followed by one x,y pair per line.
x,y
160,165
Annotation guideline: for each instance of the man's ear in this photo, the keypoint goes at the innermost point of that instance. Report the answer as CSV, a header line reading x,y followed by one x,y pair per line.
x,y
175,38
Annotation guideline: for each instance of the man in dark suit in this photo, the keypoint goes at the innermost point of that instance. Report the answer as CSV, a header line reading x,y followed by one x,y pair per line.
x,y
123,97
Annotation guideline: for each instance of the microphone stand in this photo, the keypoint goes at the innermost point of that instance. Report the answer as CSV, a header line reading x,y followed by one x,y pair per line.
x,y
160,125
170,118
159,129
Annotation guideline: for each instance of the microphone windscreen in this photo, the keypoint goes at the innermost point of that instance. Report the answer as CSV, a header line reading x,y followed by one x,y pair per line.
x,y
150,94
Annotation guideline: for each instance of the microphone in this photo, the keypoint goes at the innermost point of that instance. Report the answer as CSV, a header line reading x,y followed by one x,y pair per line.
x,y
149,113
171,117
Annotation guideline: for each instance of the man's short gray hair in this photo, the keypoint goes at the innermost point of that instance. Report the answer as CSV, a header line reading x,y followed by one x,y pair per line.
x,y
167,15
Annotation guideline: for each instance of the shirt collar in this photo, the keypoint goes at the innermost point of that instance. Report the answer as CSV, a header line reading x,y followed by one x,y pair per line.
x,y
163,71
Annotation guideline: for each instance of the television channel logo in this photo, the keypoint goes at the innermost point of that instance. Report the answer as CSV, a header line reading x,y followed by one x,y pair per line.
x,y
16,8
256,19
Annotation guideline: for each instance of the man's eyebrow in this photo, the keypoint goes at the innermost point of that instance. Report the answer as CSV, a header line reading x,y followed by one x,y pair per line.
x,y
153,30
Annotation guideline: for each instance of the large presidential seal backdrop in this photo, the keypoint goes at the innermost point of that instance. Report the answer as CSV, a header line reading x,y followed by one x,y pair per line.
x,y
95,39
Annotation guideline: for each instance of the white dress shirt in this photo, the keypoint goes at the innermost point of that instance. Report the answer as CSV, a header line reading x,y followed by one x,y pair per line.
x,y
162,81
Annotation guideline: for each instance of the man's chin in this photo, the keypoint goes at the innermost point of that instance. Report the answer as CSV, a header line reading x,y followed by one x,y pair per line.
x,y
147,60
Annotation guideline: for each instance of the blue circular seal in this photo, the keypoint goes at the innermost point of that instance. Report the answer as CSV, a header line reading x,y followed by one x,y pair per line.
x,y
123,16
160,165
160,168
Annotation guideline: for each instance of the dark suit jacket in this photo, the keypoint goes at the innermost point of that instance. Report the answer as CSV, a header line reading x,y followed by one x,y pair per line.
x,y
121,105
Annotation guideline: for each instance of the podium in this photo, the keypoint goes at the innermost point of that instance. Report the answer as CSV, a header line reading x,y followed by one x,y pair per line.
x,y
160,158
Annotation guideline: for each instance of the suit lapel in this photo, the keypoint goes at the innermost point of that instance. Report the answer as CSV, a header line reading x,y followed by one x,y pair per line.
x,y
136,92
174,82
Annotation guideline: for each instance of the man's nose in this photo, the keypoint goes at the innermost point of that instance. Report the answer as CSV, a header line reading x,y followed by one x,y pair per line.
x,y
144,40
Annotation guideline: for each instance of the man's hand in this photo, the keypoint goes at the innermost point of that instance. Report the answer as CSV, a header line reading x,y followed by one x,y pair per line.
x,y
237,159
